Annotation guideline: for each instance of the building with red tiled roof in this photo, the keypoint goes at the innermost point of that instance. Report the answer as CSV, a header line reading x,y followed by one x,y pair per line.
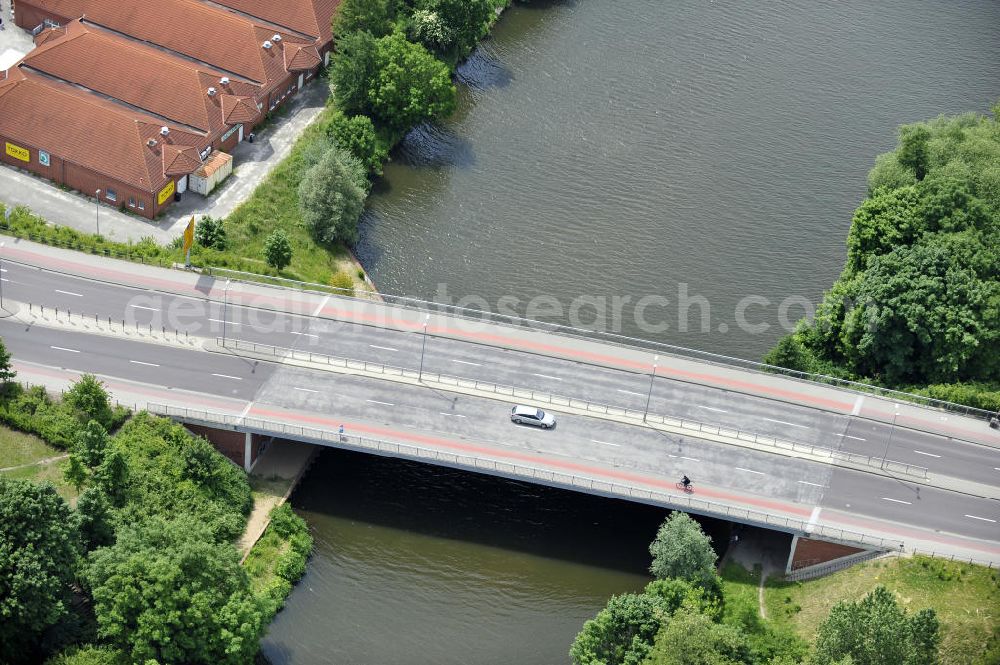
x,y
310,18
133,158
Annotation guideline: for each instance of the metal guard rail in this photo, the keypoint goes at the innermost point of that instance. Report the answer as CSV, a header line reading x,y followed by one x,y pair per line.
x,y
273,427
560,400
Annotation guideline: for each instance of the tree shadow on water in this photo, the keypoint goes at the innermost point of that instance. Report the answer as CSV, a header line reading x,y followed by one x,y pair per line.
x,y
434,146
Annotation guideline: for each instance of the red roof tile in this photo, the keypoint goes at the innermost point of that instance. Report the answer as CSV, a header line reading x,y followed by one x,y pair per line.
x,y
238,109
307,17
180,160
300,57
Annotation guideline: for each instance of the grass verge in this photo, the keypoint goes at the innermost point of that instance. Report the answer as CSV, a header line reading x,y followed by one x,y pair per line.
x,y
35,461
278,559
966,598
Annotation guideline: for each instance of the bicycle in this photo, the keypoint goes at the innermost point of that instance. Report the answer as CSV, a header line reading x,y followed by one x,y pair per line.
x,y
688,489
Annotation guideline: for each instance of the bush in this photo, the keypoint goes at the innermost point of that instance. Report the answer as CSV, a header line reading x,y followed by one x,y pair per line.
x,y
278,250
210,233
90,401
332,197
356,134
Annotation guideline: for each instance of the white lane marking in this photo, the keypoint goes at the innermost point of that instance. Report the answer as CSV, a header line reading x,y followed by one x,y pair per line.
x,y
226,376
466,362
806,482
785,422
985,519
69,293
690,459
546,376
857,405
630,392
63,348
740,468
139,362
303,334
711,408
607,443
9,281
232,323
305,390
151,309
885,498
920,452
453,415
996,468
319,307
384,348
814,518
375,401
246,410
848,436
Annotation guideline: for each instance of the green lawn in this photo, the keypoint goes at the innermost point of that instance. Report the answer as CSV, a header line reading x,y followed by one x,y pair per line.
x,y
18,449
965,597
739,586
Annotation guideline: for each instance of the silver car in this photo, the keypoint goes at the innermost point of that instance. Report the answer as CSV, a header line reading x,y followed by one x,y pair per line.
x,y
529,415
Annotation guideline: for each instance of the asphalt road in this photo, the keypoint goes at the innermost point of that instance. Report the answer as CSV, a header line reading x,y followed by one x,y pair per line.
x,y
362,403
604,385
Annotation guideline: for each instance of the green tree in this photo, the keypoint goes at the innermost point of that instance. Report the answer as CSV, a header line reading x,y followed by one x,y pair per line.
x,y
410,85
356,134
7,372
90,401
353,71
373,16
622,633
884,221
791,354
94,510
111,477
464,22
90,444
167,591
877,631
210,233
39,554
913,151
278,250
428,28
75,473
332,197
692,638
681,549
86,655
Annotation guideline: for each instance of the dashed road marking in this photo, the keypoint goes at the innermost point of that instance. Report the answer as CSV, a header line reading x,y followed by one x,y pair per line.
x,y
305,390
711,408
384,348
69,293
806,482
885,498
151,309
63,348
226,376
466,362
453,415
607,443
690,459
546,376
785,422
630,392
920,452
303,334
848,436
985,519
232,323
740,468
139,362
375,401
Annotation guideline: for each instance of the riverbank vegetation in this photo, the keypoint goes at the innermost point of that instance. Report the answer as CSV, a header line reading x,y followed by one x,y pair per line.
x,y
917,306
144,567
899,611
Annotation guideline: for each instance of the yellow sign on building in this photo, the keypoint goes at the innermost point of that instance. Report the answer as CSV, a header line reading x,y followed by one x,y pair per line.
x,y
165,193
17,152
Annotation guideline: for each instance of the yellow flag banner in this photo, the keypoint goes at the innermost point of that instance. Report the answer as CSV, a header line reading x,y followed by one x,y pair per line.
x,y
189,235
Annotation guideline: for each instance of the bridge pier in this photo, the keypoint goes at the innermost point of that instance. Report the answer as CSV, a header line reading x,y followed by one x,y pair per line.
x,y
241,448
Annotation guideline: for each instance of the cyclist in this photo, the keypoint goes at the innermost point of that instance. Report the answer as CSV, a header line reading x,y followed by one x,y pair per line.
x,y
686,482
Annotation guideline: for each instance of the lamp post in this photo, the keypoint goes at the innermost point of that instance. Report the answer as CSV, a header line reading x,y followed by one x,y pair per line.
x,y
649,395
97,207
225,311
2,245
423,347
888,441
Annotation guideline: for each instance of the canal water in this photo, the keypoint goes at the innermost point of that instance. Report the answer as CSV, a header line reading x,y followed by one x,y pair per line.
x,y
636,148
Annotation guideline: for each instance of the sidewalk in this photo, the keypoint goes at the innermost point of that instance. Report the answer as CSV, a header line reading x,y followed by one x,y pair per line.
x,y
253,161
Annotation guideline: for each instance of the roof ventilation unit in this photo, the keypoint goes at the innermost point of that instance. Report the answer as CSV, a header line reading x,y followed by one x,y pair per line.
x,y
164,131
224,80
276,38
267,44
151,143
211,92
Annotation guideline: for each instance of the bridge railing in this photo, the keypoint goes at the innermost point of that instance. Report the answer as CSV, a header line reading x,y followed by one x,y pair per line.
x,y
485,464
553,399
615,339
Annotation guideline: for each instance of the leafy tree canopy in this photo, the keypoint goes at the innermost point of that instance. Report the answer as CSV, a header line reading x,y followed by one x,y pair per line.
x,y
877,631
39,553
167,591
682,550
278,250
692,638
91,401
376,17
332,197
622,633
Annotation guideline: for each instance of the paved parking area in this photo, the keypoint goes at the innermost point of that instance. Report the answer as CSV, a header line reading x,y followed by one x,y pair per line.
x,y
253,161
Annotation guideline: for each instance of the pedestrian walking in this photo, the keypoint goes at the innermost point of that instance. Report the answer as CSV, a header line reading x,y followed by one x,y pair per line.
x,y
341,432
